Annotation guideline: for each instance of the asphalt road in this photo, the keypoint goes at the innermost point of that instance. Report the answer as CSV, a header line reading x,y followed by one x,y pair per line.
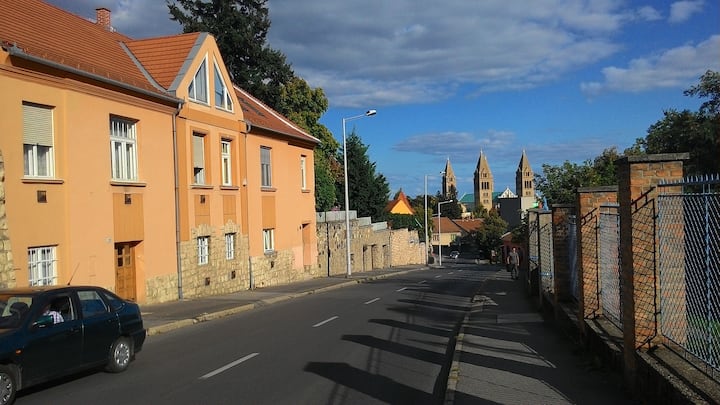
x,y
380,342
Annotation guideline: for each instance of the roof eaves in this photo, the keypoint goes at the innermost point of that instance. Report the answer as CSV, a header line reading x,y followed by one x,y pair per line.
x,y
278,116
18,52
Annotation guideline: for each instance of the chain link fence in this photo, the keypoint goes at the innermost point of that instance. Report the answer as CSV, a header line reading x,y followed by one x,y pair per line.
x,y
609,263
689,266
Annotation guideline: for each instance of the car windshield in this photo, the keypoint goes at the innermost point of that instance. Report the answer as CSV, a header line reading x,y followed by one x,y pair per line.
x,y
14,308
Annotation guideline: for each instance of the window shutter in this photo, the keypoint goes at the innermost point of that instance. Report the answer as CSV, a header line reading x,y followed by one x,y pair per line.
x,y
37,125
198,151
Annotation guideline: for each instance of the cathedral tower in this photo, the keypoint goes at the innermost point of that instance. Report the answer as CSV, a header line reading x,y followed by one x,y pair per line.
x,y
448,180
484,183
524,178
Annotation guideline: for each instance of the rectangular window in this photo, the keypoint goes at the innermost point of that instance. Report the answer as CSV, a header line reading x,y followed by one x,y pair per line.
x,y
226,157
198,89
269,240
123,149
222,96
265,167
198,158
303,178
203,245
42,266
38,140
229,246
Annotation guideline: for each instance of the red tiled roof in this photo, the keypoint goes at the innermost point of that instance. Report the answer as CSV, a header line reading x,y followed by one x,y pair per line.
x,y
163,57
463,226
261,116
39,30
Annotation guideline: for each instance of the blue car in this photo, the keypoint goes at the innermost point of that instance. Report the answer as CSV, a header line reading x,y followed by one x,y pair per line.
x,y
53,331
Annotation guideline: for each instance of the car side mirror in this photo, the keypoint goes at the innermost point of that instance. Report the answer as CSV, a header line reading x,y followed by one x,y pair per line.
x,y
43,321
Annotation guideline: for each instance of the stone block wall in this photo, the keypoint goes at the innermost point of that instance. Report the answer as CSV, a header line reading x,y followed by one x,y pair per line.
x,y
406,248
7,274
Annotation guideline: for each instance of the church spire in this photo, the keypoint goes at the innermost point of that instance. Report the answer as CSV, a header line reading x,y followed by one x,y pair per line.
x,y
524,178
449,180
483,183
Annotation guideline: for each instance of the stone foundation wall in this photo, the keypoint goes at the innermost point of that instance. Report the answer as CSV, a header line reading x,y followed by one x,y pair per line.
x,y
7,274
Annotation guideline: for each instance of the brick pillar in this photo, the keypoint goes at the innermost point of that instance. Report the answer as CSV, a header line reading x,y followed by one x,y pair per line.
x,y
589,201
638,177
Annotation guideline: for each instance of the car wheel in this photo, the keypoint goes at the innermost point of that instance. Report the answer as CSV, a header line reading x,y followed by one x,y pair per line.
x,y
120,355
8,385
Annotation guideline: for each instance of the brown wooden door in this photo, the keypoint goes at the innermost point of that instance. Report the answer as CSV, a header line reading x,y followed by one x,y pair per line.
x,y
125,271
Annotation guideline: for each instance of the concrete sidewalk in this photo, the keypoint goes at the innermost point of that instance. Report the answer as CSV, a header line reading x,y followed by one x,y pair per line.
x,y
160,318
507,354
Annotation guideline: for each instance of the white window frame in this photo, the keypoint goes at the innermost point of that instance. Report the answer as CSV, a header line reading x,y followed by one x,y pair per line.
x,y
269,240
265,166
123,149
230,246
223,99
198,88
303,172
198,158
38,154
226,158
42,265
203,250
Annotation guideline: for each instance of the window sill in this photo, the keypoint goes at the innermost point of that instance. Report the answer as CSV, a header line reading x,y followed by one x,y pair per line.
x,y
201,186
229,188
42,180
127,183
268,189
306,191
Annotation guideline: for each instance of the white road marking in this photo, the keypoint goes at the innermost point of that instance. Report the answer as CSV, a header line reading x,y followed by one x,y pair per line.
x,y
451,272
372,300
422,282
401,289
228,366
325,321
438,276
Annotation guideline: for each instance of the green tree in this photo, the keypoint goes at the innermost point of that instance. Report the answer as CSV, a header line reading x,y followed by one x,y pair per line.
x,y
488,237
368,191
240,29
697,133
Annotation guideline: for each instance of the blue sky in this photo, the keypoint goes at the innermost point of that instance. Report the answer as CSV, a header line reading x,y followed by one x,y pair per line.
x,y
560,79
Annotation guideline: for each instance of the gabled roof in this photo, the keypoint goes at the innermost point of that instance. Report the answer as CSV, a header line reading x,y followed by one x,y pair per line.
x,y
42,33
261,116
399,201
165,58
461,226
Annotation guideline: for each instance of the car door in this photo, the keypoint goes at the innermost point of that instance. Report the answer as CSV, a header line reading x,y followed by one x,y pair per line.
x,y
52,349
100,326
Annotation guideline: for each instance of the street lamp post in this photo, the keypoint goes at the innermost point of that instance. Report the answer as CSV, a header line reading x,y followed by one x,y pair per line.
x,y
439,233
368,113
426,224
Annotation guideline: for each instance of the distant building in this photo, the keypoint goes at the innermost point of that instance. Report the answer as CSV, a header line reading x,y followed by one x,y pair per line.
x,y
400,205
449,181
483,183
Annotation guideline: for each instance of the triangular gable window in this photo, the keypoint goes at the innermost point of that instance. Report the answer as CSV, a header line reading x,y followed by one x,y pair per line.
x,y
198,89
222,96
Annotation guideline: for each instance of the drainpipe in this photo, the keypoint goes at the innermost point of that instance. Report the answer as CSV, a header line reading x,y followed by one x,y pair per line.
x,y
177,203
248,127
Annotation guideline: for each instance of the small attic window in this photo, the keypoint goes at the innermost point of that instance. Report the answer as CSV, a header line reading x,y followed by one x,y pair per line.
x,y
222,96
198,89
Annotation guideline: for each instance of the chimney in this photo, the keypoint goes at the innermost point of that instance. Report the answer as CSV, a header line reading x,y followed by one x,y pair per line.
x,y
103,18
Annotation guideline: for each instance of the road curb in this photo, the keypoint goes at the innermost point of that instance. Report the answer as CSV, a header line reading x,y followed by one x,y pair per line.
x,y
173,325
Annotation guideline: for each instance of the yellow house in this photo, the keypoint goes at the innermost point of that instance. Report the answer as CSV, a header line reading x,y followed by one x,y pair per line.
x,y
400,205
140,171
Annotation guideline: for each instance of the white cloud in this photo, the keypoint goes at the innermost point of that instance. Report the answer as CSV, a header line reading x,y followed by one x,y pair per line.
x,y
378,52
648,13
681,11
675,67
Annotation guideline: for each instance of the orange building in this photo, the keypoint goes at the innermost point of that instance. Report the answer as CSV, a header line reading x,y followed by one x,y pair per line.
x,y
130,164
